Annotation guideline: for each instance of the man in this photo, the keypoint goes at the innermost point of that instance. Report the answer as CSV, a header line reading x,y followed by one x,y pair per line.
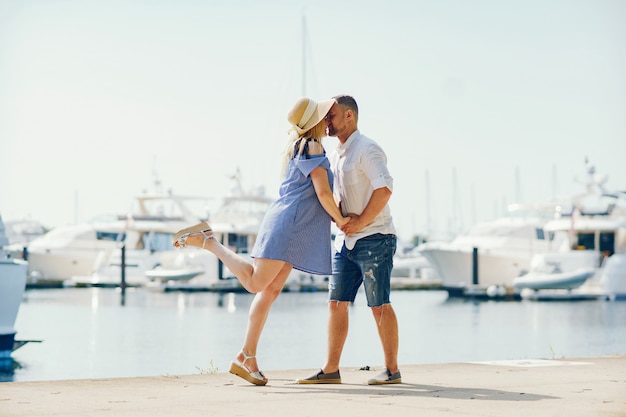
x,y
364,247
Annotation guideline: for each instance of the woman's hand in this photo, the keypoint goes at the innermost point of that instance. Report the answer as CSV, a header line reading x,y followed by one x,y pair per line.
x,y
341,222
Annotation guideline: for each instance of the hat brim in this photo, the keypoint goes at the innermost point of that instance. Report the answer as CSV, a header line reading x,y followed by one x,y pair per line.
x,y
321,110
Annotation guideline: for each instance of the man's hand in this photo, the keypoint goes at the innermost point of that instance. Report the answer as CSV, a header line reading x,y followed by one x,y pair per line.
x,y
353,226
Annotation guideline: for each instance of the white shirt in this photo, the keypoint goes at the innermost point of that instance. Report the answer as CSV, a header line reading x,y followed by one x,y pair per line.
x,y
360,167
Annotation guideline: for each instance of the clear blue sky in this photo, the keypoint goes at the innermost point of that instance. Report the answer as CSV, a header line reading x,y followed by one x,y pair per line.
x,y
497,101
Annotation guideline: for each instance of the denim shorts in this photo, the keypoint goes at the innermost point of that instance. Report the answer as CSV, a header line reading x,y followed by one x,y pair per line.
x,y
369,262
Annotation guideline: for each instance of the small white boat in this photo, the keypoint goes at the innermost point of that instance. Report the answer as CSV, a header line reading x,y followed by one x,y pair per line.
x,y
607,283
553,280
165,274
12,284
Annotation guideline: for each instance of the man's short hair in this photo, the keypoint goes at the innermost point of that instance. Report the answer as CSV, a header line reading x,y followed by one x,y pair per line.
x,y
347,101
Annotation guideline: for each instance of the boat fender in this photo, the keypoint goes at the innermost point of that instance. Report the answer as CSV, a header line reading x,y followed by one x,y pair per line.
x,y
496,291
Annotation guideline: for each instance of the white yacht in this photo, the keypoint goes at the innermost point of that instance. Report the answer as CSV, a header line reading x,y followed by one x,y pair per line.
x,y
494,253
82,250
587,257
70,250
499,249
142,241
12,285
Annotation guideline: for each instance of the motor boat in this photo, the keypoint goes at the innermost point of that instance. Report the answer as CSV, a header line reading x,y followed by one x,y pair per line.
x,y
494,253
497,249
12,284
148,258
82,250
553,280
70,250
592,254
145,240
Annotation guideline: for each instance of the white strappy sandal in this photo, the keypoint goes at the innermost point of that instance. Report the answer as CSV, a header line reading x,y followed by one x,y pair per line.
x,y
240,369
180,238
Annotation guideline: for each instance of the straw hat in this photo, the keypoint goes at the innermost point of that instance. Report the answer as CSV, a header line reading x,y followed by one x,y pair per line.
x,y
306,113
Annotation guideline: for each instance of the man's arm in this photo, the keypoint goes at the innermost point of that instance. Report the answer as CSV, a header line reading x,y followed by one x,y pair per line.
x,y
374,206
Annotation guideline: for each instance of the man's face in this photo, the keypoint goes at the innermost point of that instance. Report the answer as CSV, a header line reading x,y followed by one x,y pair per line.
x,y
334,120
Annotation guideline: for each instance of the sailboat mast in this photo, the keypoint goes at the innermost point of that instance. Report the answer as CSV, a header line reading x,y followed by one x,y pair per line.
x,y
303,55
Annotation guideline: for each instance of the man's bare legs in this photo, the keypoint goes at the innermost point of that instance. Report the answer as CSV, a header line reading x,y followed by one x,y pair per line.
x,y
387,325
337,334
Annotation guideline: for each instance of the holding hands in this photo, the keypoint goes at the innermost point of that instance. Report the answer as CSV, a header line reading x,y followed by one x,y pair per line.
x,y
354,225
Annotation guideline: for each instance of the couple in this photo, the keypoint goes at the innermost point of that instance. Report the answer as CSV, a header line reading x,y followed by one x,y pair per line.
x,y
295,233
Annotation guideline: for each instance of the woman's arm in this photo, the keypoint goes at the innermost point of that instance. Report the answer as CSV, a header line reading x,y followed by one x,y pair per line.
x,y
319,176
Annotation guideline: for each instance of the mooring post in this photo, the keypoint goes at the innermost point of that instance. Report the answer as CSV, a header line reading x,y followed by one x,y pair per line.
x,y
475,266
123,268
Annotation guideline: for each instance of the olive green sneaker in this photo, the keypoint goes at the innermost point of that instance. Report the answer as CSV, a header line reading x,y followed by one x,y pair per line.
x,y
321,378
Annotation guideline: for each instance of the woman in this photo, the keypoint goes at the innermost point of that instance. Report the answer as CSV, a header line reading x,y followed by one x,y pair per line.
x,y
295,232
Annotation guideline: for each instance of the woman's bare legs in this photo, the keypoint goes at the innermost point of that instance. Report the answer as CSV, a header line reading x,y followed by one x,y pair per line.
x,y
254,278
259,311
266,278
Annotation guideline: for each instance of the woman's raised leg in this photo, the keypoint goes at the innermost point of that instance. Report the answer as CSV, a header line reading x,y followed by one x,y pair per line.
x,y
254,277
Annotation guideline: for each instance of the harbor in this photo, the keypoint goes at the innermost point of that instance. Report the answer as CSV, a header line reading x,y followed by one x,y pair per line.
x,y
89,333
574,246
117,291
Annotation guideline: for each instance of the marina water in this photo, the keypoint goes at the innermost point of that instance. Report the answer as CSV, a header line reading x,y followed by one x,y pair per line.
x,y
98,333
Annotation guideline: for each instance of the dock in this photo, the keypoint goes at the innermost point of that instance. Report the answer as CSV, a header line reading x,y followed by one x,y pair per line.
x,y
232,285
546,387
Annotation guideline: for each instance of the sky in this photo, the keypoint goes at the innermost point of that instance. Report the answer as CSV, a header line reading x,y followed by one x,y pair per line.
x,y
478,104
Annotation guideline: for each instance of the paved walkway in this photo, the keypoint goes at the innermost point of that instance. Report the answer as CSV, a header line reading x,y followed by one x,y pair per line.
x,y
592,387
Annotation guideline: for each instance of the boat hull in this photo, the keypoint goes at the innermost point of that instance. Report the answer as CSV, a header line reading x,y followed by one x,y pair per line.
x,y
183,274
553,281
455,266
12,284
59,265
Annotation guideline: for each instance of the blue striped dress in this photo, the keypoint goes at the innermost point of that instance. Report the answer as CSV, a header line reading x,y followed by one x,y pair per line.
x,y
296,228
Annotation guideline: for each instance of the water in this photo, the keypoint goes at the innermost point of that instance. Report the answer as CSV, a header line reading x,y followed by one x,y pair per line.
x,y
88,333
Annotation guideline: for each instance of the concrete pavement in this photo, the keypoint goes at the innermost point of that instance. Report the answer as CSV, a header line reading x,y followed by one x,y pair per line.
x,y
530,388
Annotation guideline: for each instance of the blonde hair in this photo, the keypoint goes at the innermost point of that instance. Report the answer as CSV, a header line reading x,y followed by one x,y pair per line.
x,y
317,132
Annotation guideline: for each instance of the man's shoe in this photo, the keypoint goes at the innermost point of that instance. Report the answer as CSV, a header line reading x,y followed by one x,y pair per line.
x,y
321,378
386,377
